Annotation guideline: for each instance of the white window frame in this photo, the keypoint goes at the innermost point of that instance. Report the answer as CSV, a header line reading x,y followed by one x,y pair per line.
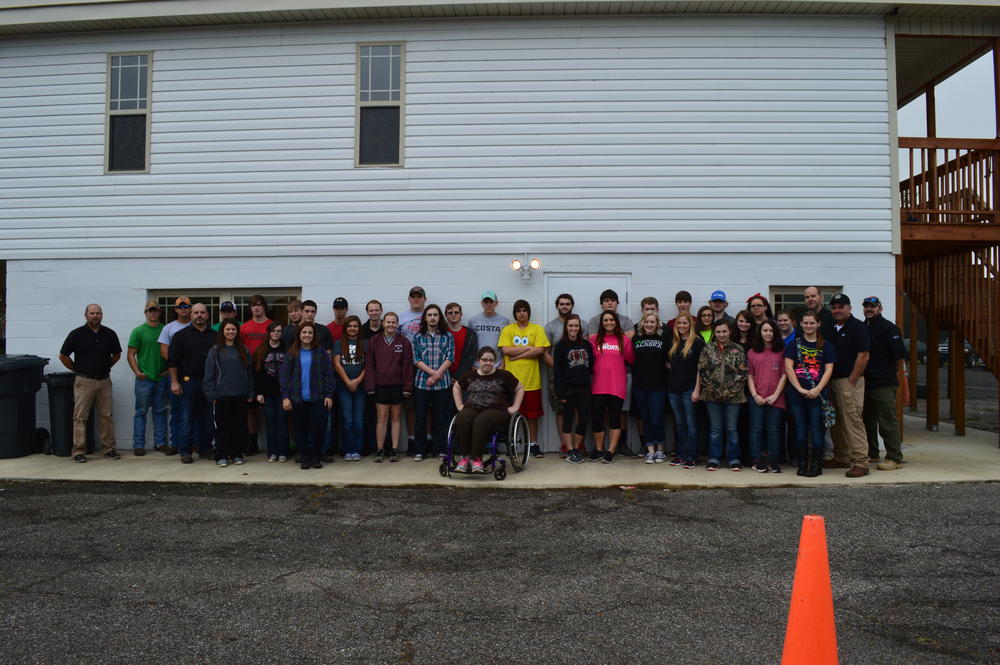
x,y
401,103
774,292
108,113
167,296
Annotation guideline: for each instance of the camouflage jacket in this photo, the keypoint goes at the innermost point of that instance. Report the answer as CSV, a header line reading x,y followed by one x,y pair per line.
x,y
723,373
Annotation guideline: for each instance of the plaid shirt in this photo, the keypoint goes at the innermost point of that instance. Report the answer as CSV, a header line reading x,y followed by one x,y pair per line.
x,y
321,377
433,349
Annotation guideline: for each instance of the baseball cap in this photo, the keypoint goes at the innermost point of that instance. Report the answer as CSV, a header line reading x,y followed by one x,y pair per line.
x,y
183,300
840,299
227,306
417,292
717,295
341,303
871,300
152,304
489,295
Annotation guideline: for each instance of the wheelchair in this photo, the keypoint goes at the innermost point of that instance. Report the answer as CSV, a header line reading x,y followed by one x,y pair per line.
x,y
515,439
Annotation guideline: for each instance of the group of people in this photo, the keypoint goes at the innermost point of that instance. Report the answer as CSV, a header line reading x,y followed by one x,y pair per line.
x,y
739,387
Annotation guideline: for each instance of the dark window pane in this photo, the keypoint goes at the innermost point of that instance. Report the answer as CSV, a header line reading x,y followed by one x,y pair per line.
x,y
127,149
379,135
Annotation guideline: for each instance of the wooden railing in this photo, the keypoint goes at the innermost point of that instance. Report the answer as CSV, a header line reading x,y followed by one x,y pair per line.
x,y
950,181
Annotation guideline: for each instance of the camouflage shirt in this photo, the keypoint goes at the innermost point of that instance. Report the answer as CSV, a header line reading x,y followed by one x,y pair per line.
x,y
723,373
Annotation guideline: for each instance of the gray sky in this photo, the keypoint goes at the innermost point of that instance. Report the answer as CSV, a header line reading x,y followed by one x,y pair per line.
x,y
964,105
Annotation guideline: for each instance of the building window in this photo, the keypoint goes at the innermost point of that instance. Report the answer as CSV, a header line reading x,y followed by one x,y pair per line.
x,y
791,298
127,142
277,302
379,119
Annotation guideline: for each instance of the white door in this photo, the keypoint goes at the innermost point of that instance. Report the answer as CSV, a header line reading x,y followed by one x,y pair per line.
x,y
586,290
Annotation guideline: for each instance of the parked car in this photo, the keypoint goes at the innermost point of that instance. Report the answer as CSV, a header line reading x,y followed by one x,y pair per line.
x,y
921,350
972,359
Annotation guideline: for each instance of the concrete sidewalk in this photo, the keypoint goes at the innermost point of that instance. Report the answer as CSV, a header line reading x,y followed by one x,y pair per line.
x,y
932,457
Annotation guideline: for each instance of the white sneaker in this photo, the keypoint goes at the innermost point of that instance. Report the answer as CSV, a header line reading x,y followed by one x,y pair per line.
x,y
650,458
272,458
221,463
282,458
418,458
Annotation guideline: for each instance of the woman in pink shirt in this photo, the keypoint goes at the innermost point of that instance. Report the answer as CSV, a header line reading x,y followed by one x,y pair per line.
x,y
612,351
766,385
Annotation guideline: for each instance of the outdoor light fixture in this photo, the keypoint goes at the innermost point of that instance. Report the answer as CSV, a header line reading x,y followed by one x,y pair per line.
x,y
525,266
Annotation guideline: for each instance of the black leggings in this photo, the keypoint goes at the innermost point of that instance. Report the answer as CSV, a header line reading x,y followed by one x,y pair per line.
x,y
606,404
580,406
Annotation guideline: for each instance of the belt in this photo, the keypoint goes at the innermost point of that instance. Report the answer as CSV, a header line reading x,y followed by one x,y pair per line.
x,y
92,377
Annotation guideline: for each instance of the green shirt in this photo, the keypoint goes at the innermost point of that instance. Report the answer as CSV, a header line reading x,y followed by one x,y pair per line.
x,y
145,340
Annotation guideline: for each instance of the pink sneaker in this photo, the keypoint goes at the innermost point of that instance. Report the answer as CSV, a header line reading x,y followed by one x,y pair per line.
x,y
463,465
477,466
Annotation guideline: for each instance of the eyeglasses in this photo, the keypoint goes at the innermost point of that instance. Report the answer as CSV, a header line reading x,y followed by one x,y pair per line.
x,y
487,361
154,309
416,294
183,306
757,306
450,312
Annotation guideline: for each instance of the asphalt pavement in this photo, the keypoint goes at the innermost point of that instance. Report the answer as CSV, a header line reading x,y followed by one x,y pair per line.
x,y
149,573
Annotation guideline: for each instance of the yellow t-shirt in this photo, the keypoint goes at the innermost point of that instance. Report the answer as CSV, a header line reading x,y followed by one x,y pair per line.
x,y
526,370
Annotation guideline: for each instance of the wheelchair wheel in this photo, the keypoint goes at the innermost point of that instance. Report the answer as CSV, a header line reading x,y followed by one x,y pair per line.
x,y
500,473
450,462
443,470
517,442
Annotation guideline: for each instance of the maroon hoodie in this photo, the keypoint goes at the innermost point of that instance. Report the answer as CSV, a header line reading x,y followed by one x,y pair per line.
x,y
389,364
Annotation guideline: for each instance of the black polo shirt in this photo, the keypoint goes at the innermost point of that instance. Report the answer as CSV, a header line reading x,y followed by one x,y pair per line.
x,y
92,351
188,350
887,350
849,341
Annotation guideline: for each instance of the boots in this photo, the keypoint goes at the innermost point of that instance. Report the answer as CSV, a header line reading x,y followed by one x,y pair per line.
x,y
804,456
815,464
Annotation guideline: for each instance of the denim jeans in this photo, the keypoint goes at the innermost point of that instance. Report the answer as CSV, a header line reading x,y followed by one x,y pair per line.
x,y
352,414
723,416
442,406
309,420
196,419
175,416
808,417
765,418
651,405
686,425
276,421
150,394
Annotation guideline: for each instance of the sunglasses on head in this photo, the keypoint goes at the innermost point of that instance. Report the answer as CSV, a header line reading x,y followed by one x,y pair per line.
x,y
183,306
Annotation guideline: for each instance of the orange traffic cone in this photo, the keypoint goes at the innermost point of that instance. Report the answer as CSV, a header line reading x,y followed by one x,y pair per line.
x,y
811,636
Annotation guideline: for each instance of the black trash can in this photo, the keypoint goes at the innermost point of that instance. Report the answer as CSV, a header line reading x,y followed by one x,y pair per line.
x,y
61,414
20,379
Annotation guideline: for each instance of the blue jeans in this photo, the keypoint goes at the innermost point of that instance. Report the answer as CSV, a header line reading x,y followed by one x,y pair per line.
x,y
686,425
765,418
723,416
309,420
150,394
442,406
276,421
352,413
651,405
808,417
175,416
196,419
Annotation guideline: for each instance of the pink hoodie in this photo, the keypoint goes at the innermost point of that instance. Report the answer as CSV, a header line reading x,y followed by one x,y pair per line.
x,y
609,366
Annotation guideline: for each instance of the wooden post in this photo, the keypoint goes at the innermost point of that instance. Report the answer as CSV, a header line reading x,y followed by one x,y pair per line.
x,y
900,277
932,183
957,382
996,113
914,360
933,356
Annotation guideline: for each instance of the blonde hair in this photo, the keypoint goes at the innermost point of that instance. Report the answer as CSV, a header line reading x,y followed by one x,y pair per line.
x,y
689,342
659,324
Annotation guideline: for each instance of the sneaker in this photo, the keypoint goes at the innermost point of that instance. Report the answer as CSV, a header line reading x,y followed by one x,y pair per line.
x,y
536,451
660,457
689,464
677,461
186,458
574,457
736,467
238,460
221,463
775,467
394,455
112,454
317,464
712,466
282,459
418,458
760,467
304,465
477,466
463,465
609,457
857,472
271,459
79,458
650,458
139,452
595,455
379,455
888,465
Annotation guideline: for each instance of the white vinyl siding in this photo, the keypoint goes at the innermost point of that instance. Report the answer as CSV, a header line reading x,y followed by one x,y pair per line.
x,y
617,134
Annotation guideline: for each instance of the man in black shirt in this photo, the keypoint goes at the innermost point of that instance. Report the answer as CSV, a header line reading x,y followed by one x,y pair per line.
x,y
186,364
850,339
813,297
95,349
884,366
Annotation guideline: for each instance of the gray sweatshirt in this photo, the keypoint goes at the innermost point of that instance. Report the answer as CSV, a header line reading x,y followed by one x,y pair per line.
x,y
225,375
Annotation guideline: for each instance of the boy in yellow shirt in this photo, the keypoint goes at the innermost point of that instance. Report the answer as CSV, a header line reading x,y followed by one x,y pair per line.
x,y
523,344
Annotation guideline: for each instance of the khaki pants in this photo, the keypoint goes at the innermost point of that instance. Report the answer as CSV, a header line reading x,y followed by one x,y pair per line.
x,y
850,441
85,393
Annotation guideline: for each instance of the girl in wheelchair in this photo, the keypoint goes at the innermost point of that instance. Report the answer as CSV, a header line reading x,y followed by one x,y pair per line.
x,y
486,398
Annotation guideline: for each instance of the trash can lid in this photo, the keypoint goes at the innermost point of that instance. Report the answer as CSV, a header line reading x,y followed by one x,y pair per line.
x,y
9,362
